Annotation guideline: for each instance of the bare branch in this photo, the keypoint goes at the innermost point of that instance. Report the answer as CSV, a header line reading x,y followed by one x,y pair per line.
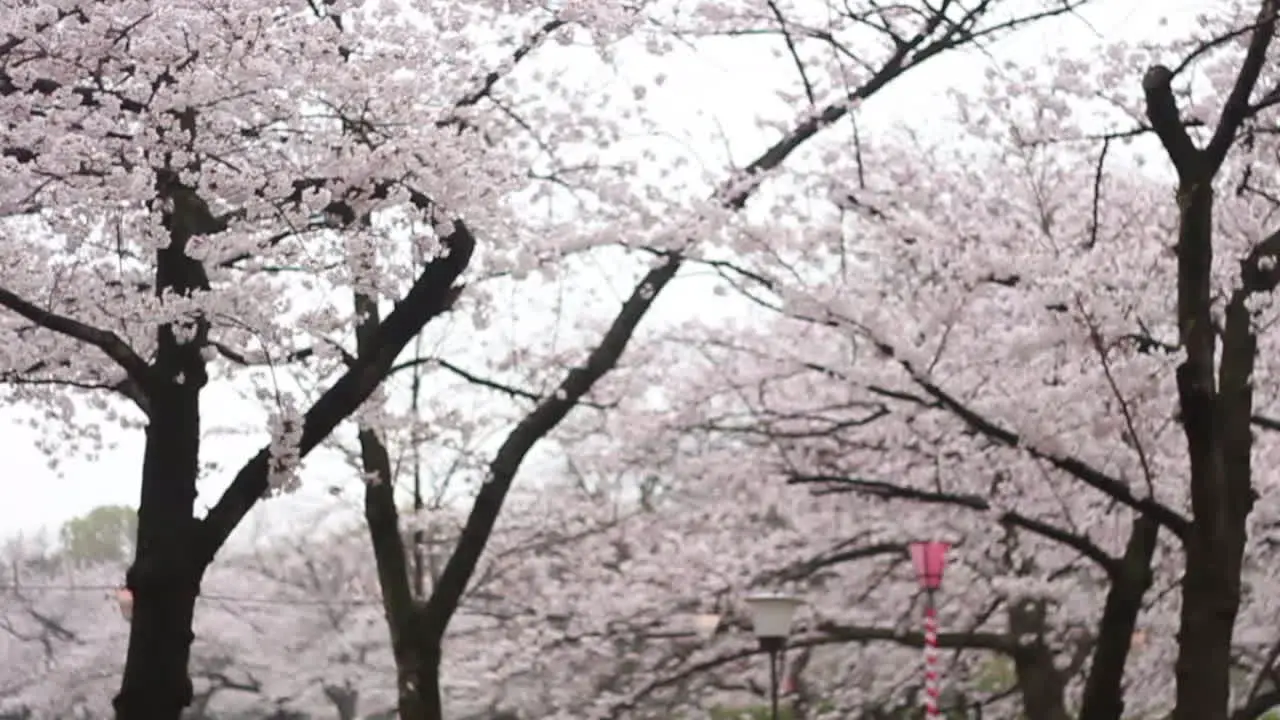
x,y
1264,422
486,85
1236,109
795,54
240,358
889,491
1095,338
831,634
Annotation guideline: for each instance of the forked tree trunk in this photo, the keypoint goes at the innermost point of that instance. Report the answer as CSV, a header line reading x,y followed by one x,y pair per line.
x,y
417,654
174,548
418,627
1216,403
1215,417
416,681
417,664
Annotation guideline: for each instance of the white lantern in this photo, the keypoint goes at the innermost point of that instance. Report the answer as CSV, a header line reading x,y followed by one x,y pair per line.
x,y
771,615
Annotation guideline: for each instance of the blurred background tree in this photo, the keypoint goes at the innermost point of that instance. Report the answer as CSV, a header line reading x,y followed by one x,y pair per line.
x,y
103,535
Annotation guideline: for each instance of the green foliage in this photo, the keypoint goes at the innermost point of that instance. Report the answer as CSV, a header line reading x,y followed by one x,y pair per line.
x,y
995,675
104,534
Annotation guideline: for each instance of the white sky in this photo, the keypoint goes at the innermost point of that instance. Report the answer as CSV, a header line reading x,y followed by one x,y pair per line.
x,y
702,91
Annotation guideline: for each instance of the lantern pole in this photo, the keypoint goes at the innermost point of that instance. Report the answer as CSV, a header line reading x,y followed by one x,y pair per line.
x,y
771,617
929,559
931,685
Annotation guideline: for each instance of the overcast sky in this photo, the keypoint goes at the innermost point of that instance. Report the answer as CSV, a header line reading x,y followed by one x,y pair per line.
x,y
702,91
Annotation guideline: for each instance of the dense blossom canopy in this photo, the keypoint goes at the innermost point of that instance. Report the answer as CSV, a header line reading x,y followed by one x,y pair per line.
x,y
973,340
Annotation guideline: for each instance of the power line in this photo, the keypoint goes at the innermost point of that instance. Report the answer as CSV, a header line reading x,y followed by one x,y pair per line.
x,y
41,588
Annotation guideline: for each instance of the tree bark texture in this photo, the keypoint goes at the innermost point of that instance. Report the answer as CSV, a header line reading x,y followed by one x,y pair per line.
x,y
1216,403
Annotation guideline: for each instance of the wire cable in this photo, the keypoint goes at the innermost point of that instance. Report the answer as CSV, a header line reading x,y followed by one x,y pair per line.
x,y
46,588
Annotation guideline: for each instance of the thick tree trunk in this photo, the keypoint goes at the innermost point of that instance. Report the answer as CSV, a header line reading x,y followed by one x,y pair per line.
x,y
1215,417
156,685
427,656
1104,688
1216,410
1209,605
164,577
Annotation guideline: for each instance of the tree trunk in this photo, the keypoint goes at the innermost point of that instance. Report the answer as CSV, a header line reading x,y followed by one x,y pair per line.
x,y
1219,443
427,656
164,577
1216,411
413,672
1041,685
1104,688
418,649
345,699
417,677
156,685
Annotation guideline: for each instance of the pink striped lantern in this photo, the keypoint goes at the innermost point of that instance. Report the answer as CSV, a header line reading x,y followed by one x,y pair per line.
x,y
930,559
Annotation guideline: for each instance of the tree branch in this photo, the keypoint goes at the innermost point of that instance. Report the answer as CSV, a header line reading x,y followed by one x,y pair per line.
x,y
803,569
795,54
137,369
126,387
995,642
486,84
1265,422
241,359
889,491
536,425
432,294
1163,514
1162,113
1257,706
1236,109
833,634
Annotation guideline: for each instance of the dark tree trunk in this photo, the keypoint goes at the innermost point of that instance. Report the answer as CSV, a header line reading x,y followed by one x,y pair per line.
x,y
418,628
416,679
345,699
174,548
1216,408
1104,688
1210,585
1219,443
164,578
1041,685
428,657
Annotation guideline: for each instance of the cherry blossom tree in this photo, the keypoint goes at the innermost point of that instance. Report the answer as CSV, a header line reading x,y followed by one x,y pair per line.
x,y
168,166
175,167
830,88
1032,349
